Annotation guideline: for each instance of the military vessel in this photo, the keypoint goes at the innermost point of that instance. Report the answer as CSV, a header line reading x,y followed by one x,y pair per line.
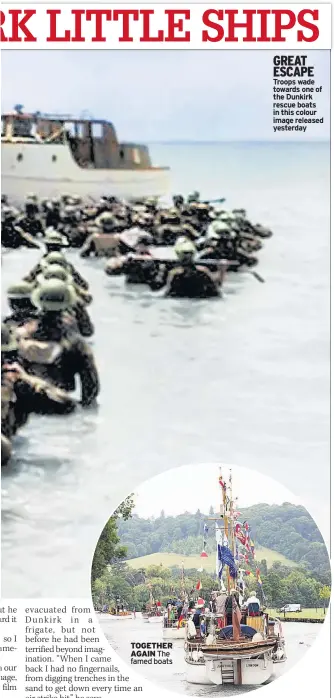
x,y
52,154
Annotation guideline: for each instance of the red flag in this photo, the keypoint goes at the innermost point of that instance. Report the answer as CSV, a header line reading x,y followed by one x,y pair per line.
x,y
221,482
204,554
200,602
198,585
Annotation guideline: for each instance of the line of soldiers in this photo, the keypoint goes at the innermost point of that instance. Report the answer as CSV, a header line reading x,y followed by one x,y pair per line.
x,y
43,346
128,233
80,222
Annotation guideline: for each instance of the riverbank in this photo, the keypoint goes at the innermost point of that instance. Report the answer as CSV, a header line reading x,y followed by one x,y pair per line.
x,y
307,615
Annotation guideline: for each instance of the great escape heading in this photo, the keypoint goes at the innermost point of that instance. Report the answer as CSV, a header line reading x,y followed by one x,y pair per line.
x,y
160,26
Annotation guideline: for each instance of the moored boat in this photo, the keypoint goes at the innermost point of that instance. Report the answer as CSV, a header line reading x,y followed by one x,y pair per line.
x,y
241,644
57,153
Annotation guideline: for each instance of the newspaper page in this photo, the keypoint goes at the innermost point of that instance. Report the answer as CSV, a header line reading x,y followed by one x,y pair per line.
x,y
165,222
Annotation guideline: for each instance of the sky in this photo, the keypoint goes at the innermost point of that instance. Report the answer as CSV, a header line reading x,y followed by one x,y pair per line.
x,y
193,487
159,95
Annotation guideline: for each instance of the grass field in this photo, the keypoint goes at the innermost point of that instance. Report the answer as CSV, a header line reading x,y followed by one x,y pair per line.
x,y
305,613
195,561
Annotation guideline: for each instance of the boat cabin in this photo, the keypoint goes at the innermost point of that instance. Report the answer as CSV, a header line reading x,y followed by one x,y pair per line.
x,y
93,143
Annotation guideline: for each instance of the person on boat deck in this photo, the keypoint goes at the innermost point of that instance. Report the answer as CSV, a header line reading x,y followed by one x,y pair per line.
x,y
56,258
23,394
188,279
12,235
19,301
54,352
253,605
30,221
229,605
197,616
77,317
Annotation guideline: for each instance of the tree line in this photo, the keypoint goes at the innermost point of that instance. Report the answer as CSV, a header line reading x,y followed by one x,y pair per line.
x,y
287,529
113,578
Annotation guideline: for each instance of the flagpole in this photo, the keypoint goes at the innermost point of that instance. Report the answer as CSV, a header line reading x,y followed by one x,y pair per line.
x,y
228,579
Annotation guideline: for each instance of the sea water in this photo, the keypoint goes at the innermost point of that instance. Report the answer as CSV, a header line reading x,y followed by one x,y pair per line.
x,y
243,379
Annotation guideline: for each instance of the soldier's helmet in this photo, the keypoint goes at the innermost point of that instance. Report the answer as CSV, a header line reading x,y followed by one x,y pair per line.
x,y
53,295
55,271
55,239
19,291
55,258
184,249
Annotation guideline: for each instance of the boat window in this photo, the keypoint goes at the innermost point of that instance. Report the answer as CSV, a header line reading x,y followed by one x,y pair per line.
x,y
136,156
19,157
54,158
70,128
121,154
3,127
80,130
97,130
22,128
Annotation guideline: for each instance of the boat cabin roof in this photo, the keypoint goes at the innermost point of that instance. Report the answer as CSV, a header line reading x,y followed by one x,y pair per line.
x,y
21,125
58,118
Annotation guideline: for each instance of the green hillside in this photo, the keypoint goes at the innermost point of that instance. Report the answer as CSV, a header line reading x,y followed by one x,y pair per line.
x,y
195,561
283,533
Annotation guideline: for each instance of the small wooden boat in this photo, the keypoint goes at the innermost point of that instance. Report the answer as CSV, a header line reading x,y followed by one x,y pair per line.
x,y
243,653
174,630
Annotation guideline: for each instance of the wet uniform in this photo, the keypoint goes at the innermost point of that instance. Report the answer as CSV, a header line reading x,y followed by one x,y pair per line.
x,y
26,395
191,282
58,355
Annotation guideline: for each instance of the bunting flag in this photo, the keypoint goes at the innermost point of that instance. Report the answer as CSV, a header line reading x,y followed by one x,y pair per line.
x,y
247,572
199,585
252,547
219,541
226,558
241,537
222,483
205,531
258,578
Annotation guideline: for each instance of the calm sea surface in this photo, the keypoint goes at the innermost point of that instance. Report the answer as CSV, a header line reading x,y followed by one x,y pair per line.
x,y
240,380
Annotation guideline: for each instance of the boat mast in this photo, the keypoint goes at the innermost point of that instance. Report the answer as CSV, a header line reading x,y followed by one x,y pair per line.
x,y
183,591
224,513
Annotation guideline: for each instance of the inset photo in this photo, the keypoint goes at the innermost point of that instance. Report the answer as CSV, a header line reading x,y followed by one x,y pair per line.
x,y
211,576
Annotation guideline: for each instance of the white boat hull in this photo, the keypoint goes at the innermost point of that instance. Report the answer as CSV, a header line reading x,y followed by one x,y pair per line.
x,y
121,617
50,170
174,633
253,672
155,619
197,674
